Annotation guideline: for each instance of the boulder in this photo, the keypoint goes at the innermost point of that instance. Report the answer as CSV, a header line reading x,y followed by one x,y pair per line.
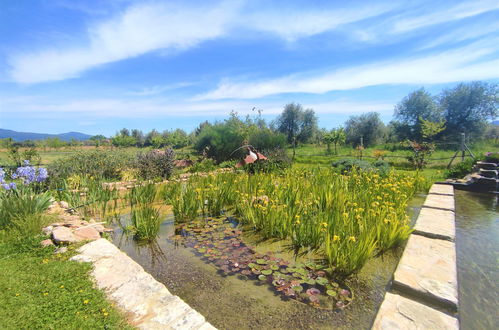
x,y
64,204
63,235
46,242
87,234
47,230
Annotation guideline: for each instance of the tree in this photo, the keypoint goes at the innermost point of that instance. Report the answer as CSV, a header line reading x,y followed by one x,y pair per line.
x,y
290,120
98,139
139,137
338,137
468,106
308,126
367,126
416,105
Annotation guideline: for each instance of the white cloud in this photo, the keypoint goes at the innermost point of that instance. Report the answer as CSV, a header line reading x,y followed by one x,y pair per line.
x,y
94,110
159,26
291,23
447,14
140,29
450,66
155,90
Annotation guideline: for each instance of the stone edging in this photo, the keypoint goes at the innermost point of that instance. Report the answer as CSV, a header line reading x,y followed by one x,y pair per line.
x,y
147,303
424,294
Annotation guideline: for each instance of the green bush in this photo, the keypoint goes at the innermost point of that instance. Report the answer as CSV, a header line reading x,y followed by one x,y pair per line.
x,y
96,163
346,165
19,204
206,165
277,160
460,170
156,164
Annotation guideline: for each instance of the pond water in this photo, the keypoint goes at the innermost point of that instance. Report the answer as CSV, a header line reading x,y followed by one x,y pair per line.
x,y
232,301
477,238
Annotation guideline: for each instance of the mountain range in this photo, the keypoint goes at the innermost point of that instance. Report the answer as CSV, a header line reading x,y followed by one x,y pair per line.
x,y
23,136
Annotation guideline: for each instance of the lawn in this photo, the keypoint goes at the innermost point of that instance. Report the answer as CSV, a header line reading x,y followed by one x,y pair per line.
x,y
43,290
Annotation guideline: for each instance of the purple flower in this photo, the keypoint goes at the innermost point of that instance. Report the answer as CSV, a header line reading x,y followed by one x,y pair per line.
x,y
9,186
26,162
42,174
2,175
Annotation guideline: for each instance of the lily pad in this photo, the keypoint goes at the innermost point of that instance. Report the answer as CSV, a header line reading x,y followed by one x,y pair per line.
x,y
262,277
321,280
297,288
267,272
331,293
261,261
274,267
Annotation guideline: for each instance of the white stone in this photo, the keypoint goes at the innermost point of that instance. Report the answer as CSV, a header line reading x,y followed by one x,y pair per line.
x,y
443,189
428,268
63,235
435,223
397,312
440,202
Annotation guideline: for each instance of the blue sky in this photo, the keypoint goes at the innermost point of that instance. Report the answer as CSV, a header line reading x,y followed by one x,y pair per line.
x,y
98,66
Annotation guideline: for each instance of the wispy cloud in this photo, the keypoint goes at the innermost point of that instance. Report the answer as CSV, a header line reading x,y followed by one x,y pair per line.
x,y
102,108
450,66
155,26
155,90
444,14
140,29
292,23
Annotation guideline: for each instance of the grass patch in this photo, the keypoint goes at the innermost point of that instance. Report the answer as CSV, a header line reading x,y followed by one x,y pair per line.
x,y
43,290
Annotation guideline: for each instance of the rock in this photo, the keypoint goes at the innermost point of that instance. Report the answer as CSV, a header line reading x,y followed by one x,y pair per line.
x,y
398,312
443,202
99,228
64,204
62,249
428,269
86,234
442,189
47,230
435,223
63,235
46,242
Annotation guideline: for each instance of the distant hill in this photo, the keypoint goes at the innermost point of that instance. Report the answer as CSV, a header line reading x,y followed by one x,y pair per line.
x,y
23,136
495,122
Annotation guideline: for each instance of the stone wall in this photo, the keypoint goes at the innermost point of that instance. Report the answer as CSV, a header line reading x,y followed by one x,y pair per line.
x,y
424,288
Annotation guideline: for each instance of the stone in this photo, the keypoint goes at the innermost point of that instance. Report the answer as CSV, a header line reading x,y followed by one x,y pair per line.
x,y
62,249
63,235
46,242
87,233
397,312
442,189
147,303
100,228
435,223
443,202
427,270
47,230
64,204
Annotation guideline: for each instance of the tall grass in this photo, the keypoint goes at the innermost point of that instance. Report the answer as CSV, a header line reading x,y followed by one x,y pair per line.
x,y
345,218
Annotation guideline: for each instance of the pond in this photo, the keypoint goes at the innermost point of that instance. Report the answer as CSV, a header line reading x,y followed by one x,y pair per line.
x,y
231,300
477,238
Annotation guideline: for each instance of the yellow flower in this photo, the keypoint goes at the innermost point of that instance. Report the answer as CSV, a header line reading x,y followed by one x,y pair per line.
x,y
345,215
352,238
45,293
85,301
324,224
297,222
18,294
62,286
336,238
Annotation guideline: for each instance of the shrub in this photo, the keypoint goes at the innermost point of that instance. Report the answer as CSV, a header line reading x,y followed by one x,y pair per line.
x,y
346,165
492,157
156,164
460,170
101,164
206,165
278,160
